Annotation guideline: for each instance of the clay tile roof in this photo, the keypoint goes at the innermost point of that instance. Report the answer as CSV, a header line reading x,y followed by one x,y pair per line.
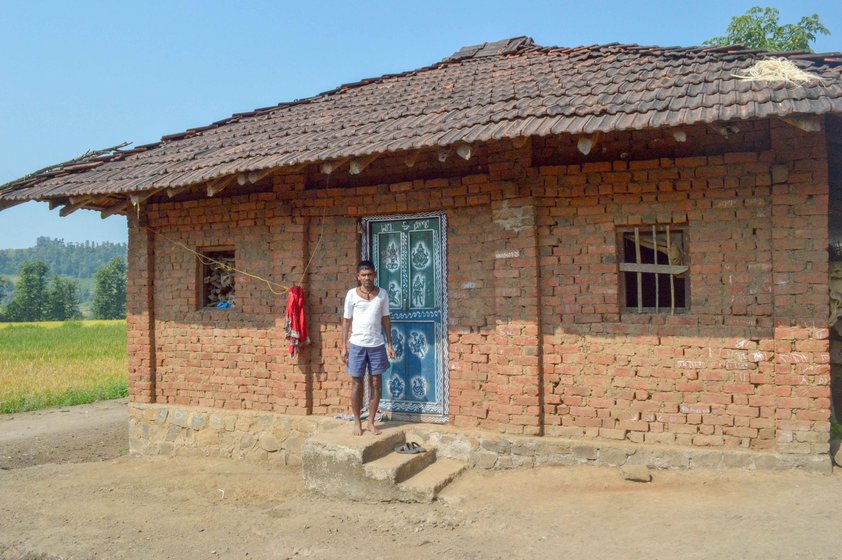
x,y
505,46
503,89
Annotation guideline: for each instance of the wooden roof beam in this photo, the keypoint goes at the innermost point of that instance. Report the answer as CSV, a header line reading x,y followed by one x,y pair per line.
x,y
76,202
358,165
329,167
411,158
726,129
464,151
137,197
115,209
587,143
9,203
217,186
520,141
805,123
252,177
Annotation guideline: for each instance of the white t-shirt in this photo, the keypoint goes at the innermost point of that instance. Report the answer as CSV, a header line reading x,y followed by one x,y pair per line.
x,y
366,316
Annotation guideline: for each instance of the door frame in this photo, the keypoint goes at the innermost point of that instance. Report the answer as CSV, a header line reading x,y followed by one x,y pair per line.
x,y
366,222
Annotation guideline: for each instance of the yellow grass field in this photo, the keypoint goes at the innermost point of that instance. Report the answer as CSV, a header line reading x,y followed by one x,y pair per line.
x,y
61,364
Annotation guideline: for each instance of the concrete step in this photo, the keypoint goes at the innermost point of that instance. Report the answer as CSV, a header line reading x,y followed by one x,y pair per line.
x,y
343,445
366,468
425,486
397,467
332,463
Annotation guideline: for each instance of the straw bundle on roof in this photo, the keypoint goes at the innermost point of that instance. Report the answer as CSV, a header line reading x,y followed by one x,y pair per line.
x,y
778,70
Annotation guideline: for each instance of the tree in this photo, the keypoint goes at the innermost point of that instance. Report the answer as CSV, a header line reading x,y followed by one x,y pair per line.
x,y
758,28
6,289
63,300
76,260
110,290
30,302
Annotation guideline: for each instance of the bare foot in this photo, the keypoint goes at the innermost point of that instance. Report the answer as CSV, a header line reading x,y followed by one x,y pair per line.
x,y
358,429
373,429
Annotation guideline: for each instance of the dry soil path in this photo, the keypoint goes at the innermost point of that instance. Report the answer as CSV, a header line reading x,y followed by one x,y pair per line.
x,y
75,434
156,508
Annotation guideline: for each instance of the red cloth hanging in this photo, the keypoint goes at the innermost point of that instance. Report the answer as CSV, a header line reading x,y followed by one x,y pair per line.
x,y
295,324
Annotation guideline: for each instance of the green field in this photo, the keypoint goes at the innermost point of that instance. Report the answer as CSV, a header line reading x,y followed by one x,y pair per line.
x,y
61,364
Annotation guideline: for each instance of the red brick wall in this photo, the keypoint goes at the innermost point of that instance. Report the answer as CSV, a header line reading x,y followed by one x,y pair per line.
x,y
140,312
730,371
537,340
234,358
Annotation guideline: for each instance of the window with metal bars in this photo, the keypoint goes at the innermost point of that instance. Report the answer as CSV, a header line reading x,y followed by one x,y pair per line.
x,y
653,269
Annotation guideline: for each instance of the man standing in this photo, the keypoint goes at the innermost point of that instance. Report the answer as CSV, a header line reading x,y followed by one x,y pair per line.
x,y
366,317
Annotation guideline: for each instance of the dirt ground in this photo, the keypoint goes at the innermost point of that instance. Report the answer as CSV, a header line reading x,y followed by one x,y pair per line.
x,y
76,434
79,495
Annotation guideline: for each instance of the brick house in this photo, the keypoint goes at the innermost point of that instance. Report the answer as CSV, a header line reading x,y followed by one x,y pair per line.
x,y
604,243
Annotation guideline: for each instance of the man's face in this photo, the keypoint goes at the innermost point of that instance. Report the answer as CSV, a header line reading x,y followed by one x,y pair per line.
x,y
366,278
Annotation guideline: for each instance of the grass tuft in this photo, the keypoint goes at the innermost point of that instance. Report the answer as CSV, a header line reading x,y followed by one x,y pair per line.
x,y
43,365
835,429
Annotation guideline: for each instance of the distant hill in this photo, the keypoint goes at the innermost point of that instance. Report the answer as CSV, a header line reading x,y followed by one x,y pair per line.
x,y
76,260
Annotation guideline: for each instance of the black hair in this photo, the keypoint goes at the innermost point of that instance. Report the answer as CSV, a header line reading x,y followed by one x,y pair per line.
x,y
365,265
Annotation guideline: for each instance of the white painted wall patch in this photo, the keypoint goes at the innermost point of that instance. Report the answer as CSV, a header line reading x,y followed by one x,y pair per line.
x,y
507,254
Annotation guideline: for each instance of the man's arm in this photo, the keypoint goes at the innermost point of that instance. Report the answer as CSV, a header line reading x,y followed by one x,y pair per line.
x,y
343,344
387,328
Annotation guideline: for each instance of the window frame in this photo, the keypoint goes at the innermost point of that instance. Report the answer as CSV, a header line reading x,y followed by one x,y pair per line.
x,y
653,233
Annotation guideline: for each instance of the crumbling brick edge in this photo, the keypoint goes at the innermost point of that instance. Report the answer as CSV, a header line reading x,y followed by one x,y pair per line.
x,y
162,429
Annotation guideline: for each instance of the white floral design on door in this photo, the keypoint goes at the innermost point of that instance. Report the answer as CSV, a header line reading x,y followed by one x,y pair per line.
x,y
418,344
420,256
418,386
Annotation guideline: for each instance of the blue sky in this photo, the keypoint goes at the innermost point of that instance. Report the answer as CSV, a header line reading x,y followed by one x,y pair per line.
x,y
87,75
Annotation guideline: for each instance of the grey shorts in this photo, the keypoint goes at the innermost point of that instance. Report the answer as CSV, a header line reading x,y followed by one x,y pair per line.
x,y
361,358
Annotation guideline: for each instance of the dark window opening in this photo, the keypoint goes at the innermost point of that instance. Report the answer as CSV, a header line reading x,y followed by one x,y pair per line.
x,y
216,270
653,269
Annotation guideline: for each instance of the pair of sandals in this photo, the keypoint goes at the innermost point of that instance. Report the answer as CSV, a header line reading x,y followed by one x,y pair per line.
x,y
409,448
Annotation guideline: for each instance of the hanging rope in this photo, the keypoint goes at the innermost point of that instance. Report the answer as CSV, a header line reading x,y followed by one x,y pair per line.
x,y
319,240
318,243
206,260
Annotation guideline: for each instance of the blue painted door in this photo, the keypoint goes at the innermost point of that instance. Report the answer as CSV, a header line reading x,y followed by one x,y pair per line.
x,y
409,255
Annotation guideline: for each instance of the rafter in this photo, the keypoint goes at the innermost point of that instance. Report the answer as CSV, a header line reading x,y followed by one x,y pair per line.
x,y
464,151
329,167
216,187
411,158
9,203
116,209
358,165
76,202
805,123
138,197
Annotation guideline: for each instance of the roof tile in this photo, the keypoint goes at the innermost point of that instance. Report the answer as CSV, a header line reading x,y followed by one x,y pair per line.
x,y
495,90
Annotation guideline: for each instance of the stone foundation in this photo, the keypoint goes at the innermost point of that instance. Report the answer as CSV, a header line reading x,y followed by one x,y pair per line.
x,y
500,451
263,436
237,434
